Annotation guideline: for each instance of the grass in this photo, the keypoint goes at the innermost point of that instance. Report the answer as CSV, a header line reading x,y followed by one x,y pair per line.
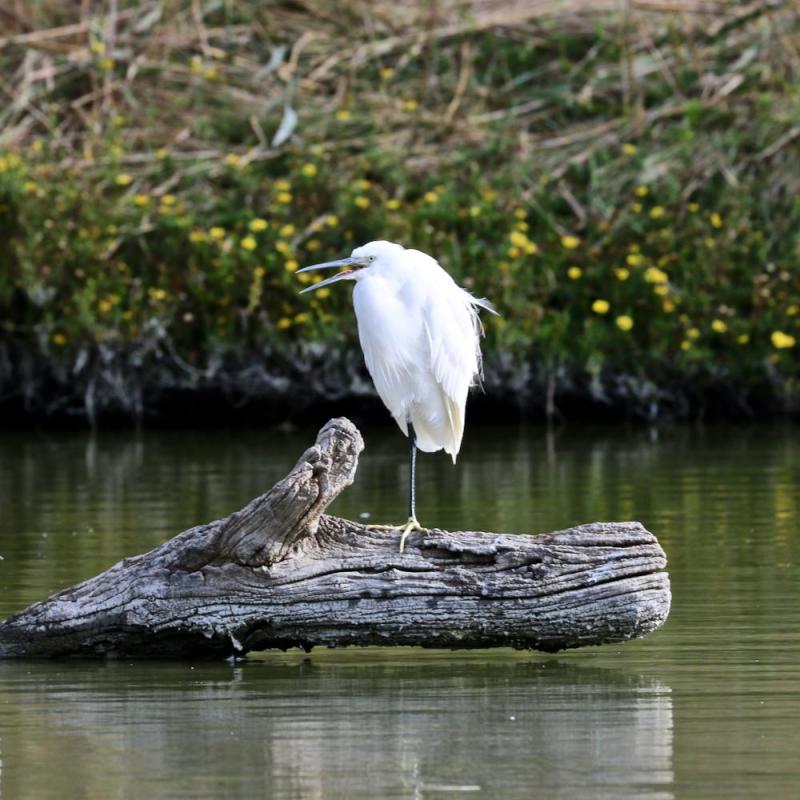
x,y
622,186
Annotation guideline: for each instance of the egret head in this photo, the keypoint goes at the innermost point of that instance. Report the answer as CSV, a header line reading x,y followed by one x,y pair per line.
x,y
372,257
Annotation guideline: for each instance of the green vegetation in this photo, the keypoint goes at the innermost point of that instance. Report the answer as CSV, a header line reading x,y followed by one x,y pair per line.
x,y
624,189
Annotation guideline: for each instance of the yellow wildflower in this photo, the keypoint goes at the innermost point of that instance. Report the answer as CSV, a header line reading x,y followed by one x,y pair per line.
x,y
59,339
302,317
656,212
105,305
168,200
284,248
716,220
197,236
106,64
781,340
474,211
393,204
141,200
574,273
719,326
282,185
743,338
570,242
211,73
30,187
685,345
309,170
259,272
361,201
693,333
284,197
216,233
331,220
521,226
634,259
513,252
693,208
601,306
629,149
531,248
624,322
343,115
410,105
248,243
312,245
641,191
291,265
98,48
667,306
386,73
123,179
661,289
655,275
257,225
636,208
520,213
792,311
622,273
233,160
161,153
157,294
518,239
323,292
283,323
287,231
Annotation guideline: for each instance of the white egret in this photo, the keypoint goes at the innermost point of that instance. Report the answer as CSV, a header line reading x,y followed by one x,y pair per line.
x,y
420,335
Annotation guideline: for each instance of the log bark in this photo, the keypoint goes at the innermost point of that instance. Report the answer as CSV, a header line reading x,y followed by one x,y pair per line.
x,y
280,573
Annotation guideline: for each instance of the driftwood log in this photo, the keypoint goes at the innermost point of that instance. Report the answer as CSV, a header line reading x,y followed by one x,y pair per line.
x,y
280,573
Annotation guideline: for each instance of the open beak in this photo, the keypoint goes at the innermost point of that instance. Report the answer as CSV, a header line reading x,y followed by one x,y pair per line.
x,y
351,265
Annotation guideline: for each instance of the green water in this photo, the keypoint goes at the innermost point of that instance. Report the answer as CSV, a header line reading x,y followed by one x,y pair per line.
x,y
707,707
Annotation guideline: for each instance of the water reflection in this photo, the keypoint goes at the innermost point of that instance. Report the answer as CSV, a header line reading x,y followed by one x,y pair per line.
x,y
344,726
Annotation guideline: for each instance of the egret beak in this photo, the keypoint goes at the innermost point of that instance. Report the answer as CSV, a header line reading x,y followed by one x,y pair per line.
x,y
352,263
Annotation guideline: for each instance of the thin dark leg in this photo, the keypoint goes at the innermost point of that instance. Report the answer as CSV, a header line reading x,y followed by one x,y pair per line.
x,y
412,439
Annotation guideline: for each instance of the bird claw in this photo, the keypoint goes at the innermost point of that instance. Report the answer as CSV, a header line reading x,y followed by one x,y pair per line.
x,y
411,525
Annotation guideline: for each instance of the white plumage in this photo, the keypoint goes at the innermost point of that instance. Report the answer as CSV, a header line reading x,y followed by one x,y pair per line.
x,y
420,334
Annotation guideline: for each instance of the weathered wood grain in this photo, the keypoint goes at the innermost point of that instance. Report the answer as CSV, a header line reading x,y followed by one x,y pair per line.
x,y
281,573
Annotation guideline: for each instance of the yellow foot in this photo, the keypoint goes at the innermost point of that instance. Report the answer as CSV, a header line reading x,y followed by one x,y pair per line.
x,y
411,525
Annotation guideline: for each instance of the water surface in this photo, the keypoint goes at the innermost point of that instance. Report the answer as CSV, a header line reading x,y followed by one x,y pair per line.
x,y
706,707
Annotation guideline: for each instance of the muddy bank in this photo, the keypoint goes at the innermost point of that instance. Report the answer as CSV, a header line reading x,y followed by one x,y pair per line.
x,y
312,382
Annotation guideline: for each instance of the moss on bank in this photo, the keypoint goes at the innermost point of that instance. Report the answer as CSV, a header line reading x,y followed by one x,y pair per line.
x,y
624,188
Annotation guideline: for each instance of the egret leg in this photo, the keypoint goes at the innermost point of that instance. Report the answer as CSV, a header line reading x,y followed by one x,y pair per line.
x,y
411,524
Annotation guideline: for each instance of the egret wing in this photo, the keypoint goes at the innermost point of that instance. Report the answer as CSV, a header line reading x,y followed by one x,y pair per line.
x,y
453,331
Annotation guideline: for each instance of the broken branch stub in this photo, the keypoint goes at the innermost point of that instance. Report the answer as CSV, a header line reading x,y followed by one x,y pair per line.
x,y
281,573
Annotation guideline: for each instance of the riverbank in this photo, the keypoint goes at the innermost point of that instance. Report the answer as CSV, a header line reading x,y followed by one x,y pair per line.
x,y
619,185
312,383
